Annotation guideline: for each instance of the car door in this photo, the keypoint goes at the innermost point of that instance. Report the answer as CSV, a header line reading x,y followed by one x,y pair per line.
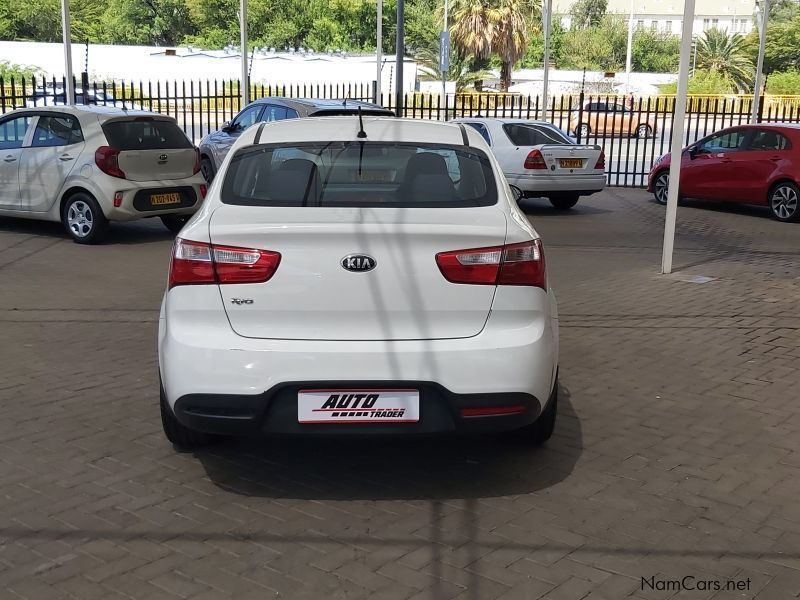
x,y
710,169
13,133
765,158
597,117
54,148
228,136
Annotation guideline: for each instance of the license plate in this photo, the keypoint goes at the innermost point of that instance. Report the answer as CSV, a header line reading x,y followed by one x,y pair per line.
x,y
571,163
358,406
163,199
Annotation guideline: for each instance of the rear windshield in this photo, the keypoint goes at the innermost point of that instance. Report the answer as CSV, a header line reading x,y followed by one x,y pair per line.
x,y
145,134
360,174
528,134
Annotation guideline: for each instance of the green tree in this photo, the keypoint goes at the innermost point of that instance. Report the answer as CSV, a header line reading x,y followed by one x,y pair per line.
x,y
782,49
587,13
655,51
718,51
784,83
705,83
601,47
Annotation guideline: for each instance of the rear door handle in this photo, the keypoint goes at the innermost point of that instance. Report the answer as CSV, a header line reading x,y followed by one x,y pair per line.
x,y
9,158
65,157
775,158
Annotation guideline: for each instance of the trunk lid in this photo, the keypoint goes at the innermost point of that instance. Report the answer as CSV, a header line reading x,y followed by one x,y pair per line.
x,y
151,148
312,296
569,159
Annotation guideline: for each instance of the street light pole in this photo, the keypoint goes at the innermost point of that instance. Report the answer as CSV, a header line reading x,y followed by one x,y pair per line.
x,y
629,51
69,89
243,48
548,16
400,43
379,54
764,13
678,129
445,64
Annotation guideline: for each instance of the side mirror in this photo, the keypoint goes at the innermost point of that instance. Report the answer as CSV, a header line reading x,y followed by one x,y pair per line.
x,y
226,126
518,193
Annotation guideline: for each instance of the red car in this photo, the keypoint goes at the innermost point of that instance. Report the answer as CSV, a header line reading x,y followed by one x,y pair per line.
x,y
750,164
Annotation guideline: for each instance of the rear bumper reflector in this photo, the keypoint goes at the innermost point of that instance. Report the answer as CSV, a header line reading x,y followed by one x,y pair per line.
x,y
492,411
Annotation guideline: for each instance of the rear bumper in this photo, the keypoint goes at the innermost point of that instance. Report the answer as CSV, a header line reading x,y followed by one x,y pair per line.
x,y
206,369
547,182
133,199
275,411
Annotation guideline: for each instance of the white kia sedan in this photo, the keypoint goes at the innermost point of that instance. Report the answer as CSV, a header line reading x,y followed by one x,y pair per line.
x,y
86,166
349,279
543,161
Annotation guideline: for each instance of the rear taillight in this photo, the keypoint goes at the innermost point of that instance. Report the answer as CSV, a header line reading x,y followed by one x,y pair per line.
x,y
107,160
601,161
535,160
196,263
196,162
513,264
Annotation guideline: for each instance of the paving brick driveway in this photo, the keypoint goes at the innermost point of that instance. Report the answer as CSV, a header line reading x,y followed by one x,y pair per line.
x,y
677,450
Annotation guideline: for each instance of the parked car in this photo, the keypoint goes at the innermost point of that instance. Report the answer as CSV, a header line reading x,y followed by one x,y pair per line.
x,y
86,166
342,279
542,160
215,146
607,117
750,164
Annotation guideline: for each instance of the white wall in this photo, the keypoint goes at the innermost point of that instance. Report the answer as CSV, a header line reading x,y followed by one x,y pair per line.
x,y
143,63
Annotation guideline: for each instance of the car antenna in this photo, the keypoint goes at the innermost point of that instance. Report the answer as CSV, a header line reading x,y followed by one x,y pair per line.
x,y
361,133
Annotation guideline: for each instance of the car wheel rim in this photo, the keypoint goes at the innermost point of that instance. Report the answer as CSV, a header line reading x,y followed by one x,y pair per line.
x,y
584,131
662,188
784,202
643,131
80,219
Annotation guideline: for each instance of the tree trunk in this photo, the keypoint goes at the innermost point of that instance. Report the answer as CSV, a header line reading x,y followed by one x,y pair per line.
x,y
505,76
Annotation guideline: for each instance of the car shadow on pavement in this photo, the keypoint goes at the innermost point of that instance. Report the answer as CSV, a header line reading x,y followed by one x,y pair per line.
x,y
137,232
395,468
541,207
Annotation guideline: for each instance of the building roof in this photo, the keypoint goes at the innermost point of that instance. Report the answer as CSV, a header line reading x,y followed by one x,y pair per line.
x,y
705,8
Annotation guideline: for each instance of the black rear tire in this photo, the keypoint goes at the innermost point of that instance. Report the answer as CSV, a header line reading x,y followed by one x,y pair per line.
x,y
541,430
180,435
564,202
174,222
83,219
207,169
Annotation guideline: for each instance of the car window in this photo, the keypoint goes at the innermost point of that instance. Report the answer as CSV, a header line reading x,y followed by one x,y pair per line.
x,y
145,134
246,118
56,130
12,132
529,134
363,174
481,128
725,142
767,139
291,113
273,113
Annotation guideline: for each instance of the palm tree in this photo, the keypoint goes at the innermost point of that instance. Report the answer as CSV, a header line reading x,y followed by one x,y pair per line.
x,y
724,53
484,27
461,70
510,37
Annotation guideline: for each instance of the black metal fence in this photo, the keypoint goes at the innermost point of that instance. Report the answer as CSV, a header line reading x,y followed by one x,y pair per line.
x,y
632,133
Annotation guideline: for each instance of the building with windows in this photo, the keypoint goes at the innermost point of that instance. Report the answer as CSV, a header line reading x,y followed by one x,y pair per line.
x,y
667,15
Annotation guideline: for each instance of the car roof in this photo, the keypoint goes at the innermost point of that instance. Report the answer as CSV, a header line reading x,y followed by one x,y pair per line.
x,y
502,120
377,128
310,104
103,113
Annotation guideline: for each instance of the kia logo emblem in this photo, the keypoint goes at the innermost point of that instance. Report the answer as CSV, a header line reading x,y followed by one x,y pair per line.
x,y
163,158
358,263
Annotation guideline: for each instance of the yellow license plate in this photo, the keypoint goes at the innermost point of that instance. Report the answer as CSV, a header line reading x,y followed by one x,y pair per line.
x,y
163,199
571,163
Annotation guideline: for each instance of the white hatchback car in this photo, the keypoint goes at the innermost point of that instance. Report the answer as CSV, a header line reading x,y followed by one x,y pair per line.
x,y
542,160
86,166
348,279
